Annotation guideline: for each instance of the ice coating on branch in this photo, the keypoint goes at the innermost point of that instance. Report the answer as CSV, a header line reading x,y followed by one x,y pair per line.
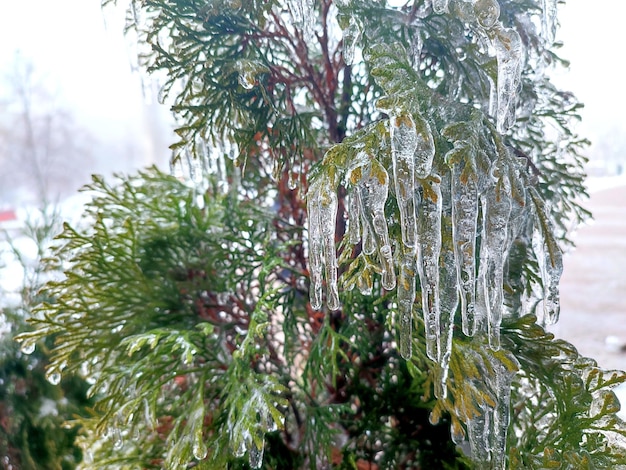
x,y
440,6
322,211
487,12
548,20
464,230
429,237
496,210
372,186
406,299
403,147
425,151
351,36
448,291
509,53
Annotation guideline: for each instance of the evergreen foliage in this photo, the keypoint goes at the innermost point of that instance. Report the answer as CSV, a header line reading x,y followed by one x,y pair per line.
x,y
187,304
37,427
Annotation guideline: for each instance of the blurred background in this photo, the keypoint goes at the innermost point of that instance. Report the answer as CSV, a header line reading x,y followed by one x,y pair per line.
x,y
72,104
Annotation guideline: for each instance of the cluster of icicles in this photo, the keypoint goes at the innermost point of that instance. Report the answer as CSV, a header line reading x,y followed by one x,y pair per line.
x,y
452,270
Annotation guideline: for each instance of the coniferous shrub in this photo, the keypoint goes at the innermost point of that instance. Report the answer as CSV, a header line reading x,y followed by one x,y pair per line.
x,y
359,268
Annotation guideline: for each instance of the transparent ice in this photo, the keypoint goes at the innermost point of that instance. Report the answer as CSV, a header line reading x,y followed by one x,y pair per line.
x,y
372,189
429,249
509,53
322,209
496,209
403,147
440,6
448,288
549,20
464,231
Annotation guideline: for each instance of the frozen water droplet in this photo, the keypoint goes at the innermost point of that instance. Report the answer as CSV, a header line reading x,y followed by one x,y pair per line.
x,y
200,450
247,80
440,6
27,347
487,12
54,377
292,182
118,441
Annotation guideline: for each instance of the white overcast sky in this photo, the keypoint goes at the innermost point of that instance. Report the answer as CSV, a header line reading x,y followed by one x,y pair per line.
x,y
68,42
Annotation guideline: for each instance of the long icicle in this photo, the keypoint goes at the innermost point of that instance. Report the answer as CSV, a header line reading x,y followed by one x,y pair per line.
x,y
448,291
464,230
429,236
403,146
322,210
509,53
373,189
406,299
496,209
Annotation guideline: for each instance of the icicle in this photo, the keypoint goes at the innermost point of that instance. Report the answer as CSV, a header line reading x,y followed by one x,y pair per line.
x,y
403,146
548,20
351,36
429,236
478,435
373,188
255,454
509,52
354,227
496,209
464,230
487,12
303,14
549,258
448,292
406,298
501,416
440,6
416,46
322,210
550,269
425,151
